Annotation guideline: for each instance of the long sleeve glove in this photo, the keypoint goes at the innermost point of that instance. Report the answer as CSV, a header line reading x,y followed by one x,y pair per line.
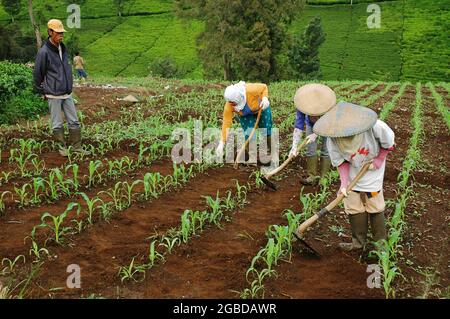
x,y
344,174
264,103
296,138
379,160
311,138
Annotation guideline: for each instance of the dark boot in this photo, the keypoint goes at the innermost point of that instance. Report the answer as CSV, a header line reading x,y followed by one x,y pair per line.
x,y
75,141
311,170
359,224
378,226
325,165
58,135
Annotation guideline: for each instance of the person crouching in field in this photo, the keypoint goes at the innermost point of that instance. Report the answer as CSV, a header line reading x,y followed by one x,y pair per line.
x,y
53,78
245,100
312,101
356,136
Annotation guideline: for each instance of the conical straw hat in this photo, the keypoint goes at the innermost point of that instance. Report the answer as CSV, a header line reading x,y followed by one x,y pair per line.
x,y
314,99
345,119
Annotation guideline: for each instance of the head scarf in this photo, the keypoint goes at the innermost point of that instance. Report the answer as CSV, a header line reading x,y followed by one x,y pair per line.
x,y
349,144
237,94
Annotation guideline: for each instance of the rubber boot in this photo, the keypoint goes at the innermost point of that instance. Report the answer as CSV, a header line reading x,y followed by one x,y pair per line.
x,y
359,224
268,157
325,165
75,141
311,169
58,135
378,226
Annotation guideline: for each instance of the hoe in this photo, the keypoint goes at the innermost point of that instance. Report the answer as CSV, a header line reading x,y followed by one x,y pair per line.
x,y
310,221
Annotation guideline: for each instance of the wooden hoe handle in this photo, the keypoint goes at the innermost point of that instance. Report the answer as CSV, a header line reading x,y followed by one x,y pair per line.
x,y
306,224
286,162
242,150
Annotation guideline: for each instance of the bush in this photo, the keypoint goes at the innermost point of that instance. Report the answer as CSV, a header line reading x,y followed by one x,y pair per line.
x,y
17,99
165,68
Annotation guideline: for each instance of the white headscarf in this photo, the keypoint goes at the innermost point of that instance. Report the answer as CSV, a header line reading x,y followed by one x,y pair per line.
x,y
237,94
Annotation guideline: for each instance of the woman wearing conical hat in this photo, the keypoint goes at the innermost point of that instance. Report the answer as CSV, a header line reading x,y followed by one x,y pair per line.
x,y
245,100
356,136
312,101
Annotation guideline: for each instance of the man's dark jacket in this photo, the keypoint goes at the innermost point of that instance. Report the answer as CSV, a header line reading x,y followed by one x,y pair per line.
x,y
51,75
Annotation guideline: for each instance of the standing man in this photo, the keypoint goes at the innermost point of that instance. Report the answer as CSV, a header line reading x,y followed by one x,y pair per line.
x,y
356,136
53,78
312,101
79,64
245,100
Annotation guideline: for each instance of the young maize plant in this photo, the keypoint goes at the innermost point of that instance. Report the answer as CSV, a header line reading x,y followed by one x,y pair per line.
x,y
36,251
170,242
116,194
216,214
142,151
90,203
94,173
56,222
241,192
151,182
186,225
23,195
75,179
2,203
22,160
38,185
154,255
129,191
6,176
65,186
39,166
131,271
9,269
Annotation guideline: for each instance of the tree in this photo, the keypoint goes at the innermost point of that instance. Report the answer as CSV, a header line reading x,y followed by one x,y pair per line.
x,y
121,4
12,7
304,52
35,25
242,38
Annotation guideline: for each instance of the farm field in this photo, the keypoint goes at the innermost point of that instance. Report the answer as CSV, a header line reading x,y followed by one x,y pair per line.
x,y
141,227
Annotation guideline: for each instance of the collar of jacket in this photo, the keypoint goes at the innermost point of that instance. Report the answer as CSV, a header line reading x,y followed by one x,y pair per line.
x,y
54,48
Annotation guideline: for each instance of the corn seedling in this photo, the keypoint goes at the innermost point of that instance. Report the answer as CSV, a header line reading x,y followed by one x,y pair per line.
x,y
90,203
9,269
169,243
23,194
75,180
36,251
153,255
56,222
38,184
151,182
130,271
93,172
2,203
129,191
241,192
186,225
216,214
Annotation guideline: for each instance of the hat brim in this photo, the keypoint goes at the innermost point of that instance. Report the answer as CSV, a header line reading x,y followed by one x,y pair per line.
x,y
345,119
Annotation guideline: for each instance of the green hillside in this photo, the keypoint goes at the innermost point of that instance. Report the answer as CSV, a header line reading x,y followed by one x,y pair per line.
x,y
412,43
